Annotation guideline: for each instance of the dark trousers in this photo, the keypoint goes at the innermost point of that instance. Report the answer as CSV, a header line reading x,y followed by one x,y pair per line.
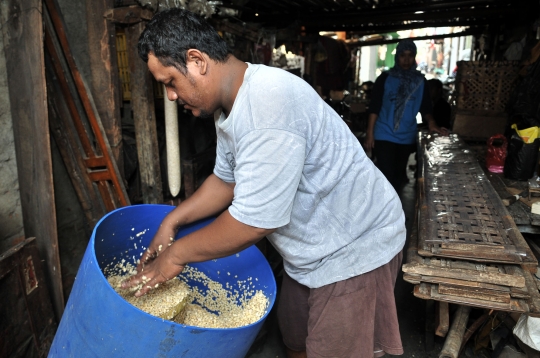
x,y
392,159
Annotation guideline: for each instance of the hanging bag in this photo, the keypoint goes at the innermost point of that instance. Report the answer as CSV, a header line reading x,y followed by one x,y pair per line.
x,y
496,153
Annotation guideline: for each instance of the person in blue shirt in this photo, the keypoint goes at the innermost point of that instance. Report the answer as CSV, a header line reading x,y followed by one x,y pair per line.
x,y
398,96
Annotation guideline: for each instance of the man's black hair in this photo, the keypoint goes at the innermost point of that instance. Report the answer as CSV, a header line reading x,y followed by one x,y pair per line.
x,y
172,32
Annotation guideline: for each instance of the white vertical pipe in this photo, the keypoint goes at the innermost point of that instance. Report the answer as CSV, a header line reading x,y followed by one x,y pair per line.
x,y
173,144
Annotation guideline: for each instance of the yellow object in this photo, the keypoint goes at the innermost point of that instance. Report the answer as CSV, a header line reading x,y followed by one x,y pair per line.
x,y
528,134
123,66
123,69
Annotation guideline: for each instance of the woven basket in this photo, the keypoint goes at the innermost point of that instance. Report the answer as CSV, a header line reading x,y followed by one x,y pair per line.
x,y
485,85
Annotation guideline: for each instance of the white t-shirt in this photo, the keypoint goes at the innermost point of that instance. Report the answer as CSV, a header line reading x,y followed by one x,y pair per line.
x,y
298,168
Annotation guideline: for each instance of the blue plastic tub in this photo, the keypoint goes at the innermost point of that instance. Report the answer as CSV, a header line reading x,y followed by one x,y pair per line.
x,y
97,322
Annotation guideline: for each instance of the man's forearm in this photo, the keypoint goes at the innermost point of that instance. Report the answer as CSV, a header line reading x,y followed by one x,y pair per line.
x,y
211,198
223,237
372,118
430,120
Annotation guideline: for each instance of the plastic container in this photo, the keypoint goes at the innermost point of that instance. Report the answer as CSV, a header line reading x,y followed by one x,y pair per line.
x,y
97,322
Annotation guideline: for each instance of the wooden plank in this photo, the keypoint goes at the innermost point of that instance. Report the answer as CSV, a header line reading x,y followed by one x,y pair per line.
x,y
519,214
23,41
105,83
516,292
498,184
61,127
142,99
478,127
534,301
466,275
455,282
430,292
461,214
55,34
459,270
126,15
477,293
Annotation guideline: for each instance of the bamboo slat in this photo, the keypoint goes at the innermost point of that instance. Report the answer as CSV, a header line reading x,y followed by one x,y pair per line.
x,y
461,215
496,287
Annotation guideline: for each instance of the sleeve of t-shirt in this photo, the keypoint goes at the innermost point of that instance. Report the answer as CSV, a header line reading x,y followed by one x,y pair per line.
x,y
268,170
426,107
377,94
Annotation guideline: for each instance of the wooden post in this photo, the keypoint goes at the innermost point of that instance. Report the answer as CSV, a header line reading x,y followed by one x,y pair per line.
x,y
444,319
452,344
22,32
105,83
142,100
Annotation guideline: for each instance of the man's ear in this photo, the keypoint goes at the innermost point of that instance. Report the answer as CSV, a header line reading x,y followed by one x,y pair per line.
x,y
198,60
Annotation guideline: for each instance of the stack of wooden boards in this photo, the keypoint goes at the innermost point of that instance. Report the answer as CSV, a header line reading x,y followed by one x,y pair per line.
x,y
464,247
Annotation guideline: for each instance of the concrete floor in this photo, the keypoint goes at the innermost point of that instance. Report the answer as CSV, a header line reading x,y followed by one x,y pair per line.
x,y
411,310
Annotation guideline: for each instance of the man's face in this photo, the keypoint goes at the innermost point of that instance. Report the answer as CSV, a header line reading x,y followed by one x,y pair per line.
x,y
406,59
184,89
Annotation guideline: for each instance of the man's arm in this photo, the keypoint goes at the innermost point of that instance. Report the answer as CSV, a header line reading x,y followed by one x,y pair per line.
x,y
369,141
211,198
432,125
375,106
223,237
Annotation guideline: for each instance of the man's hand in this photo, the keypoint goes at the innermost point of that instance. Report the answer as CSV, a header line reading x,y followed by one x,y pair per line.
x,y
434,128
222,237
369,142
155,271
161,241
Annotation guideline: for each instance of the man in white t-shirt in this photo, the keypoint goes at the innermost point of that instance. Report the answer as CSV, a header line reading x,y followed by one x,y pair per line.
x,y
289,169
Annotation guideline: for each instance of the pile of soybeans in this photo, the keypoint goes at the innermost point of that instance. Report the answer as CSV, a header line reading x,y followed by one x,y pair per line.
x,y
214,307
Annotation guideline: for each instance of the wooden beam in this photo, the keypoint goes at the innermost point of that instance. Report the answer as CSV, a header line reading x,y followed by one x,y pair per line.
x,y
382,27
142,100
235,29
22,33
128,15
452,344
443,319
105,83
410,14
432,37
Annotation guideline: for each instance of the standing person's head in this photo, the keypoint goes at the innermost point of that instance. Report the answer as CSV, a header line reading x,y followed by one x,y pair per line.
x,y
406,54
184,52
435,89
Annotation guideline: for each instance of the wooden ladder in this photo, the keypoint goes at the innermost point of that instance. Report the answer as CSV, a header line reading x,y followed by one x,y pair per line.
x,y
76,126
